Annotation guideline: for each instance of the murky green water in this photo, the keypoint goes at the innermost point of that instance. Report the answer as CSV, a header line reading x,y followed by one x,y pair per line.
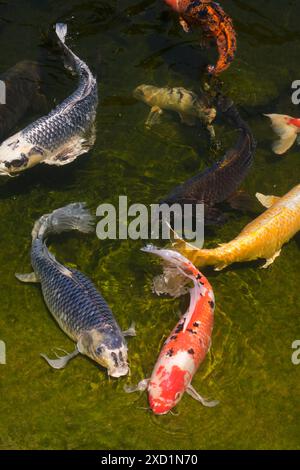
x,y
249,368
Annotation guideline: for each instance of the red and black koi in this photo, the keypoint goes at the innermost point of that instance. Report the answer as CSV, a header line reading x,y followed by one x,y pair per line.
x,y
189,342
216,25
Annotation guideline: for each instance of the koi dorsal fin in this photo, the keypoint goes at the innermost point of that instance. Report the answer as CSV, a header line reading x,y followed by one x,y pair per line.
x,y
267,201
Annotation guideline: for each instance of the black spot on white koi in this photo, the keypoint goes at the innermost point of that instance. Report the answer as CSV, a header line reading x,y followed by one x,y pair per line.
x,y
191,331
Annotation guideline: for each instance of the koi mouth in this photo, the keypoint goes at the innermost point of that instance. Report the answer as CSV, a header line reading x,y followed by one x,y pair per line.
x,y
118,372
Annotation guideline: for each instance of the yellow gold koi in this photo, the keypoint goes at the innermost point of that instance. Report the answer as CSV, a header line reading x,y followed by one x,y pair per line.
x,y
262,238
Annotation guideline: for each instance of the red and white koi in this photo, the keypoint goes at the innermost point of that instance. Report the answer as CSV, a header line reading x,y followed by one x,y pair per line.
x,y
287,128
189,342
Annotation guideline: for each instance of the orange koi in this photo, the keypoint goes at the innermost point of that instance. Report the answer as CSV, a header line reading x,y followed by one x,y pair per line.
x,y
216,24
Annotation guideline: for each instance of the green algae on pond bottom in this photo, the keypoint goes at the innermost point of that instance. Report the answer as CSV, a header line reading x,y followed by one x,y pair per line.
x,y
248,368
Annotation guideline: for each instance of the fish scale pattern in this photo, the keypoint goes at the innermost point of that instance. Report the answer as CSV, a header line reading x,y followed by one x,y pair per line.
x,y
72,117
71,297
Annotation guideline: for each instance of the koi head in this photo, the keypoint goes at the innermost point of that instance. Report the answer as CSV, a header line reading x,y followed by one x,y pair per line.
x,y
144,93
16,155
167,387
107,348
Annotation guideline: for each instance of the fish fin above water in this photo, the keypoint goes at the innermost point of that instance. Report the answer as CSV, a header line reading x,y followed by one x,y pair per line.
x,y
194,394
267,201
270,261
187,119
154,116
61,361
131,330
31,277
241,200
140,387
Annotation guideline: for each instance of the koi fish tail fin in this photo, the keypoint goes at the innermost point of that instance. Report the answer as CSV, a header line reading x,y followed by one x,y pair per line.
x,y
286,130
74,216
61,30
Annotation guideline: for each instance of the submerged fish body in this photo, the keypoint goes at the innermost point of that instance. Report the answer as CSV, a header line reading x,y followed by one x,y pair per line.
x,y
221,181
263,238
22,94
62,135
216,24
71,297
186,103
187,346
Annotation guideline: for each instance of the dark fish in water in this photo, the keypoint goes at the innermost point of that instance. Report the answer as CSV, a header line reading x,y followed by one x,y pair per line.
x,y
216,25
65,133
22,94
220,182
186,103
71,297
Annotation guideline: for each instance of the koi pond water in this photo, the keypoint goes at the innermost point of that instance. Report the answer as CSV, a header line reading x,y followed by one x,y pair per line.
x,y
257,318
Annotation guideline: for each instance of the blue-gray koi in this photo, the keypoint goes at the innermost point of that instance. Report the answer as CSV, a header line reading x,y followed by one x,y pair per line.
x,y
72,298
65,133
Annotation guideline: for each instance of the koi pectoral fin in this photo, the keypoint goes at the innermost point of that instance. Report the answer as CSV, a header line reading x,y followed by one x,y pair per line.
x,y
140,387
185,26
271,260
194,394
61,361
267,201
31,277
131,330
153,116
